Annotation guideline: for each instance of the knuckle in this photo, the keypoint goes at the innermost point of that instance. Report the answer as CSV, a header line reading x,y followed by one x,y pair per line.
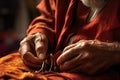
x,y
27,39
83,44
41,49
23,41
40,37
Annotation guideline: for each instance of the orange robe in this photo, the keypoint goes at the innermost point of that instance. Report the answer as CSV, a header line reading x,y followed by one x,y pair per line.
x,y
65,18
59,21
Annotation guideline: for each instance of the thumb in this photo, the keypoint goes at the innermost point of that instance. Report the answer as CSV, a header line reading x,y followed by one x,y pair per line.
x,y
41,49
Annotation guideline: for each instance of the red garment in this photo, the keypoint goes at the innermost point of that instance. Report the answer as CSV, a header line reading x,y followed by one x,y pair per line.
x,y
68,17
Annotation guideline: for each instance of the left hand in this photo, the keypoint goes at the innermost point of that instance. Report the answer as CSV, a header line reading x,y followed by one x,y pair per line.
x,y
87,56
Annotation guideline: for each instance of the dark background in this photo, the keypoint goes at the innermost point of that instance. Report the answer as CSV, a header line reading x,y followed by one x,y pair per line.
x,y
15,16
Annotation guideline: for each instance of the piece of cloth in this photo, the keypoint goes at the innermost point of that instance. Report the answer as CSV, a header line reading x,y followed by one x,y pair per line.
x,y
13,68
59,21
62,19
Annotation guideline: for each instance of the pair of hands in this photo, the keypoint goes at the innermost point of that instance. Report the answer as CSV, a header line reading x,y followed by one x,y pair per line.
x,y
87,56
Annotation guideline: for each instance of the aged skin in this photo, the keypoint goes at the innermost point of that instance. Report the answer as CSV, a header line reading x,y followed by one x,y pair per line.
x,y
33,49
88,56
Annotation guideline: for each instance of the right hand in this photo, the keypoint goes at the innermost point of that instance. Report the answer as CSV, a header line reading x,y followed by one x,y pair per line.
x,y
33,49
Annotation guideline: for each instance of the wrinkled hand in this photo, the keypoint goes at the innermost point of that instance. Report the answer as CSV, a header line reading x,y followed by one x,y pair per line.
x,y
87,56
33,49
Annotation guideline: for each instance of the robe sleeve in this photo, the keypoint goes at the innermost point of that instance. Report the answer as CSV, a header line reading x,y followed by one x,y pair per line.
x,y
45,23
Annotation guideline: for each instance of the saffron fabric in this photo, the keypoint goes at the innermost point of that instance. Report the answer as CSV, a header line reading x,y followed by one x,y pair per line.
x,y
13,68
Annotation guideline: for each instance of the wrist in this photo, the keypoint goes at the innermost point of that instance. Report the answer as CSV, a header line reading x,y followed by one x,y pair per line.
x,y
114,49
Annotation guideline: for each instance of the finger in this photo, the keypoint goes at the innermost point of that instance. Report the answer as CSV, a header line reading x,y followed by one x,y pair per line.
x,y
68,65
77,60
68,47
84,67
89,67
80,43
31,64
70,52
24,47
41,46
31,58
41,50
67,55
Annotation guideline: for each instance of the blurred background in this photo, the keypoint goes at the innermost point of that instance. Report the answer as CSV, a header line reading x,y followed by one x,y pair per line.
x,y
15,16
